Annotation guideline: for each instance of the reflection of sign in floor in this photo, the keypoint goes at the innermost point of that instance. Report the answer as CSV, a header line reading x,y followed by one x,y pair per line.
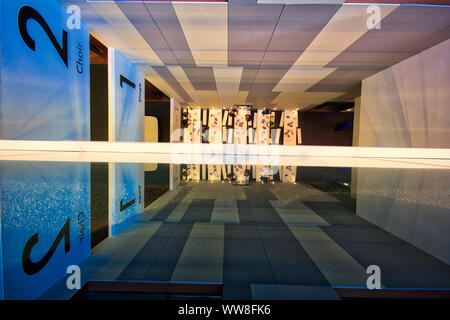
x,y
193,172
45,224
265,173
126,205
241,173
288,173
214,172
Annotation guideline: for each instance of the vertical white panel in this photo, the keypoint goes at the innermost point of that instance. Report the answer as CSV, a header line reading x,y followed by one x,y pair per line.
x,y
175,121
251,135
204,172
195,127
193,172
214,172
174,176
224,134
262,129
111,95
290,127
230,136
277,136
224,172
225,117
126,113
111,195
240,127
215,126
205,117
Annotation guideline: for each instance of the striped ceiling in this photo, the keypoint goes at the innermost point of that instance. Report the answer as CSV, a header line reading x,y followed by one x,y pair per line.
x,y
266,53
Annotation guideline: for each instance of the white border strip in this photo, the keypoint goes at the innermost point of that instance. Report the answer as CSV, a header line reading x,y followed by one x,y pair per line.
x,y
223,149
211,159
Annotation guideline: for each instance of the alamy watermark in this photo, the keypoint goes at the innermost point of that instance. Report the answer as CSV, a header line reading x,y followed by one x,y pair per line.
x,y
74,280
74,19
374,280
374,19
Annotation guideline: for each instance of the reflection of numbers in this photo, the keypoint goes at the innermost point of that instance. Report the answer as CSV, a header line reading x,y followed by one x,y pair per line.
x,y
26,13
34,267
126,205
128,82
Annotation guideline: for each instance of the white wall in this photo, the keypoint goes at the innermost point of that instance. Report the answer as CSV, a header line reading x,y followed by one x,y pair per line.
x,y
175,120
412,204
175,124
407,106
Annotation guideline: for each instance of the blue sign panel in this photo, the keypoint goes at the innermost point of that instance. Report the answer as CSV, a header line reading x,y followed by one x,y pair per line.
x,y
44,90
128,99
44,95
45,216
127,124
129,200
1,261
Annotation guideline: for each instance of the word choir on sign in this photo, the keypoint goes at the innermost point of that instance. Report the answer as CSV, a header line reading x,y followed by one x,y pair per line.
x,y
81,225
80,56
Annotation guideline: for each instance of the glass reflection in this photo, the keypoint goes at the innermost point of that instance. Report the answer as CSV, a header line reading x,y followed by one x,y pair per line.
x,y
259,231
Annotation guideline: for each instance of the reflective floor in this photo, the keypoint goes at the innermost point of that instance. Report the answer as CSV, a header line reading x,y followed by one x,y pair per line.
x,y
258,232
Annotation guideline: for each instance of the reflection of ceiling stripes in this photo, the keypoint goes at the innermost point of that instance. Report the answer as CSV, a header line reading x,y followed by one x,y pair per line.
x,y
276,53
